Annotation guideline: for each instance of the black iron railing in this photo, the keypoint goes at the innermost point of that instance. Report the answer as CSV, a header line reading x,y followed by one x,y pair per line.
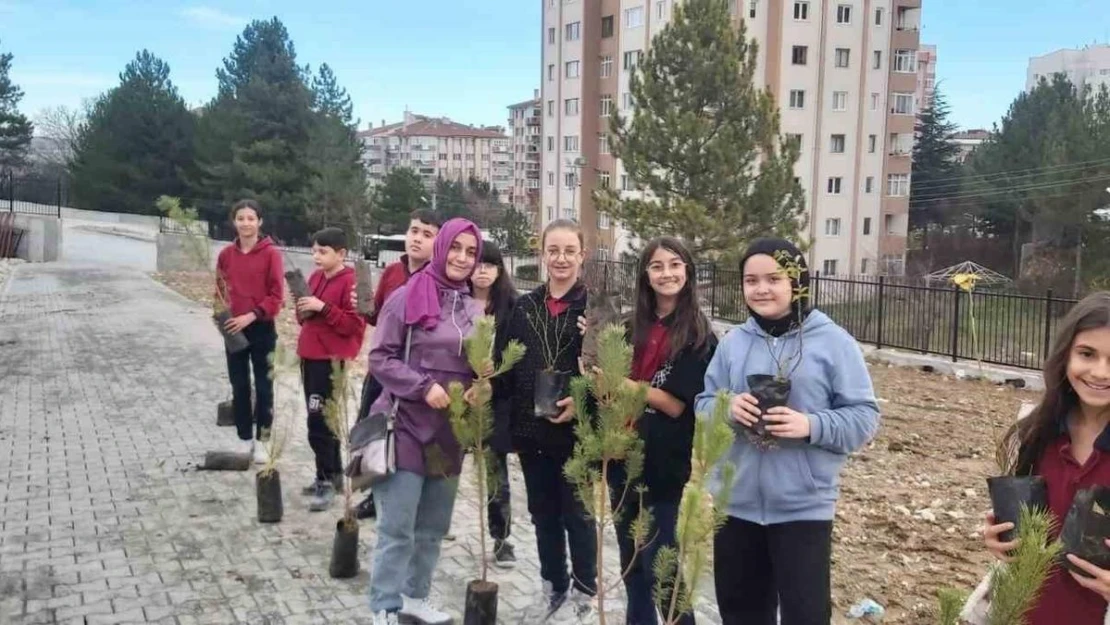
x,y
33,195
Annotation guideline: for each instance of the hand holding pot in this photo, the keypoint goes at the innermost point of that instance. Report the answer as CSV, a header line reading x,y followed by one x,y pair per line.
x,y
992,537
309,304
1097,580
567,404
236,325
745,409
437,398
582,325
354,299
786,422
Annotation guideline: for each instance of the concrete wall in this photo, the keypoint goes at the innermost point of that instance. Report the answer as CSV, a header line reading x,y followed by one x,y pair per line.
x,y
42,239
146,221
175,253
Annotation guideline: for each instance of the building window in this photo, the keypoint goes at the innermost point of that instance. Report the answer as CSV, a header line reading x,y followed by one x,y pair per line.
x,y
550,213
551,144
836,146
626,183
796,138
797,99
661,9
801,11
871,141
570,143
897,185
626,100
877,59
844,14
550,73
550,178
606,105
607,27
633,18
606,66
751,8
570,180
570,107
632,59
903,104
603,144
863,266
571,69
879,16
905,61
551,108
840,101
866,226
834,185
874,101
603,179
842,57
603,221
869,185
551,35
828,268
798,55
574,31
570,213
832,227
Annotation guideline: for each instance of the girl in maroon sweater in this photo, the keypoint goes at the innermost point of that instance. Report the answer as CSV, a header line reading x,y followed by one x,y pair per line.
x,y
1066,440
251,280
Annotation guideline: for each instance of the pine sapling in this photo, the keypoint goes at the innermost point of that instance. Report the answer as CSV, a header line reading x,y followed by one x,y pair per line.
x,y
605,438
471,414
1016,585
701,512
337,415
284,365
950,603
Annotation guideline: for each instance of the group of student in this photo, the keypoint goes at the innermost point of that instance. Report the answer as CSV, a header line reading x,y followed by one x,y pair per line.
x,y
772,555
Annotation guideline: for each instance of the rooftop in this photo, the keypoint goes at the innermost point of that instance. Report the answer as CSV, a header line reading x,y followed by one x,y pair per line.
x,y
424,126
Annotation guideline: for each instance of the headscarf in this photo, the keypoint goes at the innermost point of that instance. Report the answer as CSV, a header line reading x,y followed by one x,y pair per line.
x,y
422,298
798,309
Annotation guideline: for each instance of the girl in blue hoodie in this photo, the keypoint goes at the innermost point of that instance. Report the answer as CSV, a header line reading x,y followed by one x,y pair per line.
x,y
773,552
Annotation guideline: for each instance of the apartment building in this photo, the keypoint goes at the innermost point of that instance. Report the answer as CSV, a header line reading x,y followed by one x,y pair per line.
x,y
436,147
1089,65
525,130
843,71
926,75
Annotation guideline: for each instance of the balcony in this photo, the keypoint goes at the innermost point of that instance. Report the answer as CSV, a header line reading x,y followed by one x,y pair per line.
x,y
533,121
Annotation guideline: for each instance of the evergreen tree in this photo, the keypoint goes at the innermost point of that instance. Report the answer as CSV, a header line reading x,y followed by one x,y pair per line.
x,y
330,99
451,200
401,192
704,141
337,193
935,165
15,128
512,229
136,144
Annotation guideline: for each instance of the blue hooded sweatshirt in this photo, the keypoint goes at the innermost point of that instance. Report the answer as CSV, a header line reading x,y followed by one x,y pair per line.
x,y
797,480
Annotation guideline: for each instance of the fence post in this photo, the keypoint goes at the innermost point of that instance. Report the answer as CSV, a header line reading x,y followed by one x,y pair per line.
x,y
59,198
11,191
816,289
1047,324
955,324
879,333
713,291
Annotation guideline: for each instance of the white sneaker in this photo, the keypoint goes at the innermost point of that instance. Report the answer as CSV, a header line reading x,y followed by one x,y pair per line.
x,y
577,608
243,447
261,456
424,611
385,618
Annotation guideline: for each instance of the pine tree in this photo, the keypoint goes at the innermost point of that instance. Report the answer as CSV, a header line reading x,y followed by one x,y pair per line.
x,y
512,229
401,192
330,99
704,141
137,143
337,191
451,199
15,128
935,163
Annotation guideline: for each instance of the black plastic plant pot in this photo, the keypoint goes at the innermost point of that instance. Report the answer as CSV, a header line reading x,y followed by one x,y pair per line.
x,y
225,461
225,415
268,488
233,343
298,286
481,603
364,288
1009,493
344,551
550,387
1086,529
771,392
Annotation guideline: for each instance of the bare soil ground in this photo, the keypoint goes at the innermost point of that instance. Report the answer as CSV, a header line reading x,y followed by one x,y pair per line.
x,y
912,502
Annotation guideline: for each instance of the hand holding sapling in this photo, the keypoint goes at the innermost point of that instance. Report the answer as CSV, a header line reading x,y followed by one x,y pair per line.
x,y
1096,580
309,304
744,408
236,325
437,398
785,422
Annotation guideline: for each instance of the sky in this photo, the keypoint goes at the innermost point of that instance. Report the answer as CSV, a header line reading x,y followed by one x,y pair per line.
x,y
464,59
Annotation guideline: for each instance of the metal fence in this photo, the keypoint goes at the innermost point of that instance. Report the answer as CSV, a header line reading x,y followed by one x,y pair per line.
x,y
1003,328
33,195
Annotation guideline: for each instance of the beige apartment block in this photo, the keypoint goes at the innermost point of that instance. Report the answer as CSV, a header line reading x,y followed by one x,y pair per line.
x,y
844,73
926,75
526,136
1088,66
436,147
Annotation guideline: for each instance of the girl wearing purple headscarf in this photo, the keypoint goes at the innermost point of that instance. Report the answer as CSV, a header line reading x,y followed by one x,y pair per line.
x,y
414,505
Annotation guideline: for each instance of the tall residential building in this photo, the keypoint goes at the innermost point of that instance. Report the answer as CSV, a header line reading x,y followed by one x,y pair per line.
x,y
1090,66
968,140
926,75
845,76
436,147
525,120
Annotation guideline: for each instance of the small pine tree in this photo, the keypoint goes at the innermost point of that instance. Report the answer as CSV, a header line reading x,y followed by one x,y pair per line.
x,y
605,439
1016,586
950,603
679,569
337,415
471,414
198,247
284,365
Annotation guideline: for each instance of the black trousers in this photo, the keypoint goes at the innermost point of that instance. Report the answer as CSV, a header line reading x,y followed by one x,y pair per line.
x,y
316,375
759,568
500,507
263,339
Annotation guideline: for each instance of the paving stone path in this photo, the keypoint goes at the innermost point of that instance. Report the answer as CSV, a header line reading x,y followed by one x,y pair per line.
x,y
108,387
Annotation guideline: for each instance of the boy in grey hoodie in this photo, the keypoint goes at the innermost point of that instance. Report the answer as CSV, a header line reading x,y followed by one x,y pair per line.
x,y
775,548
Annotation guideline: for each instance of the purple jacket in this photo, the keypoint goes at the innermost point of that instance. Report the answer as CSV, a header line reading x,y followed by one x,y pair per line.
x,y
436,356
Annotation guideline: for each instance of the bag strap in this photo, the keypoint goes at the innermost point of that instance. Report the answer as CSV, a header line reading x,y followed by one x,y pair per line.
x,y
396,400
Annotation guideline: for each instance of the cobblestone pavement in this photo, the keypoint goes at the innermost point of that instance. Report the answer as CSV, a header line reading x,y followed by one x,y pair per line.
x,y
108,386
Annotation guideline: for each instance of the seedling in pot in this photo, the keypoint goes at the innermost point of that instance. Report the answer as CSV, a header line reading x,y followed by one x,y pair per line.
x,y
364,288
298,287
551,385
283,366
471,414
337,413
1016,585
1086,528
1009,493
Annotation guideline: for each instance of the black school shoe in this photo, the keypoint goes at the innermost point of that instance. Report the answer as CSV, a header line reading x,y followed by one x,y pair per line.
x,y
365,510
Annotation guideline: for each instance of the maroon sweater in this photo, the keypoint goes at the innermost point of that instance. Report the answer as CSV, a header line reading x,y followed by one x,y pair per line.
x,y
337,330
253,281
395,275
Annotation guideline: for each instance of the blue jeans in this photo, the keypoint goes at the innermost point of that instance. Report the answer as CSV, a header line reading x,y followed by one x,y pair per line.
x,y
414,514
